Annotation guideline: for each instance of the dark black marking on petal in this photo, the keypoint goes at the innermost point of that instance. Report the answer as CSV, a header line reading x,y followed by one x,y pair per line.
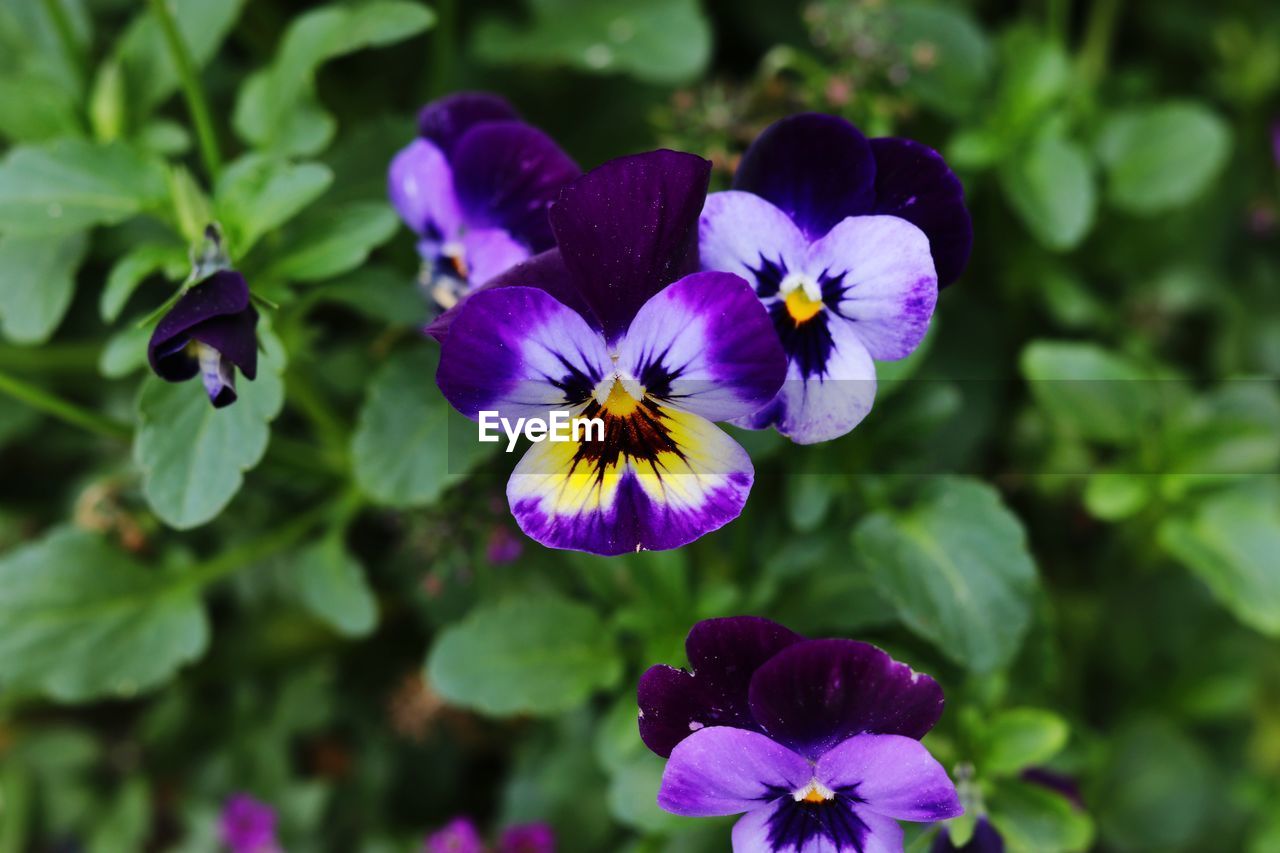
x,y
793,825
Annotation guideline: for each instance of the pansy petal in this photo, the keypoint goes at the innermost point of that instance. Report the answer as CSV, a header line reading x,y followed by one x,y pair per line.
x,y
506,175
915,183
223,294
660,479
724,771
985,839
744,234
420,184
891,775
489,252
233,336
723,654
882,278
445,120
629,228
836,826
817,169
705,345
816,694
519,352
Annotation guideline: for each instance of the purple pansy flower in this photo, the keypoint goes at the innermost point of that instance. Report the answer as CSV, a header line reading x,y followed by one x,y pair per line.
x,y
614,325
528,838
475,186
815,742
247,826
457,836
846,241
209,331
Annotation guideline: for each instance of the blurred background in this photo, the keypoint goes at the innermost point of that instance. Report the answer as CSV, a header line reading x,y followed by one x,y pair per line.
x,y
1065,506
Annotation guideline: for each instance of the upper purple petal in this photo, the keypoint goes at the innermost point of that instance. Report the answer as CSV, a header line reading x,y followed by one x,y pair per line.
x,y
915,183
723,654
816,168
446,119
420,185
629,228
891,775
724,771
216,312
816,694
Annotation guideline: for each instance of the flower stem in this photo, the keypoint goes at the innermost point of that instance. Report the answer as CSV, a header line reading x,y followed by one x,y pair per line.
x,y
64,410
443,40
191,89
1096,50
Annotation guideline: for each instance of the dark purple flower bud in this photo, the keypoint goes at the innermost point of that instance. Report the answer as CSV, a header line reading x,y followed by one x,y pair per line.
x,y
457,836
528,838
248,826
985,839
209,332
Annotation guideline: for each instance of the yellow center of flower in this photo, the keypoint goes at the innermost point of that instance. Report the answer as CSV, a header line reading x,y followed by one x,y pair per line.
x,y
620,401
814,792
801,307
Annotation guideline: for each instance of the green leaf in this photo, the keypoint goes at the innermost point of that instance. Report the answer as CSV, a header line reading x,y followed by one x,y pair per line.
x,y
1049,184
145,55
134,268
127,821
125,351
258,193
83,620
409,444
1088,391
36,110
193,456
37,281
1035,78
1161,157
333,243
1020,738
71,184
277,108
948,55
1231,540
107,103
535,655
956,567
1117,495
666,42
330,583
380,293
1034,819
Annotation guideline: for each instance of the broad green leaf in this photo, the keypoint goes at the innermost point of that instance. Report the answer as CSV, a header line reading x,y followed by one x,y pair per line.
x,y
1116,495
1020,738
1089,391
337,241
409,444
1231,540
535,655
380,293
663,41
258,193
956,567
1034,819
134,268
127,822
125,351
1035,77
1049,184
35,110
1161,157
83,620
948,55
277,108
193,456
1157,790
330,583
71,184
192,209
145,55
1233,430
37,281
633,794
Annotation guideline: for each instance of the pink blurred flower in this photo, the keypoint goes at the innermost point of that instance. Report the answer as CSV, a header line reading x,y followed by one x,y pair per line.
x,y
247,826
457,836
528,838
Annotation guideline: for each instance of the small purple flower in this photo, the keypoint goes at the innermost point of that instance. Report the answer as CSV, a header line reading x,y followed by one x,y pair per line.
x,y
612,326
475,186
528,838
816,741
985,839
247,826
503,547
457,836
846,241
209,331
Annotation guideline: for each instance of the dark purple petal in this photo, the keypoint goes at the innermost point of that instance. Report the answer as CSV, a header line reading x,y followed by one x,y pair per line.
x,y
629,228
528,838
506,175
815,168
914,183
723,771
985,839
1065,785
215,312
445,120
891,775
232,336
420,185
819,693
723,654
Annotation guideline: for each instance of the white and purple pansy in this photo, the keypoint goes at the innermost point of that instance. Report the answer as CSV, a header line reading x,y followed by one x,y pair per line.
x,y
846,241
475,186
815,742
615,324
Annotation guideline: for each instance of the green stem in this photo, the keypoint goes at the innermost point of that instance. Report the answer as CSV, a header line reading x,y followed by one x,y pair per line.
x,y
51,358
444,39
1059,19
333,433
66,36
1096,50
76,415
191,90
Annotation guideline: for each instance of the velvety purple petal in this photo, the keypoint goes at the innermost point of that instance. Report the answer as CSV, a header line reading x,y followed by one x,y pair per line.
x,y
629,228
891,775
489,252
234,337
743,233
836,826
420,184
528,838
705,345
457,836
815,168
985,839
816,694
724,771
216,311
445,120
723,654
915,183
519,352
506,175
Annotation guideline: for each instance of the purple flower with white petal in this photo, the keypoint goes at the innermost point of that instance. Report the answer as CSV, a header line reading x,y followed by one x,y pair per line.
x,y
209,331
846,241
457,836
247,826
815,742
475,186
528,838
615,325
